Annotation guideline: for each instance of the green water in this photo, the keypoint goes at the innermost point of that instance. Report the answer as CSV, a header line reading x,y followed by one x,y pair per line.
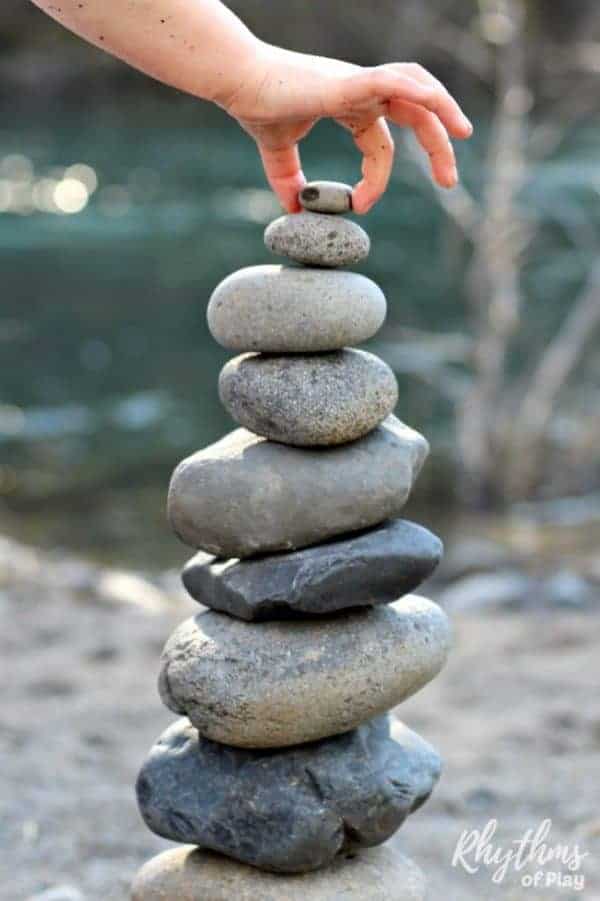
x,y
108,371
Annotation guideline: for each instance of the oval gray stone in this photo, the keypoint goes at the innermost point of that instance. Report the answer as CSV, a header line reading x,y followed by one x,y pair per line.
x,y
287,811
286,309
273,684
245,495
326,197
309,399
374,567
188,874
317,239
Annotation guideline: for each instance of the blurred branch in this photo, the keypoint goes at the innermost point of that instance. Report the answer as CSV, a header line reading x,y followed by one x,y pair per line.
x,y
549,378
427,356
459,205
494,276
500,451
546,137
462,45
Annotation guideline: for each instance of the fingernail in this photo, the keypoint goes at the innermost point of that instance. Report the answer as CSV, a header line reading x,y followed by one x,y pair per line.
x,y
450,180
467,124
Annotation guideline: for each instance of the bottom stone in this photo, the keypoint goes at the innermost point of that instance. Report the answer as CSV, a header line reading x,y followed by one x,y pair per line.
x,y
188,874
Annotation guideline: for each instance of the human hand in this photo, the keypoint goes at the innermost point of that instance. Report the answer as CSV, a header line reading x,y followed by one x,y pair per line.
x,y
277,95
283,94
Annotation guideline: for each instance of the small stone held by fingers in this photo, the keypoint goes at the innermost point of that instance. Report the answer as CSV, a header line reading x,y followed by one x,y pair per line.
x,y
326,197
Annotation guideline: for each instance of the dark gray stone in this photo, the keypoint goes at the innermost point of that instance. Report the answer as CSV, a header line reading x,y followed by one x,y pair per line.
x,y
245,495
309,400
326,197
374,567
286,811
317,239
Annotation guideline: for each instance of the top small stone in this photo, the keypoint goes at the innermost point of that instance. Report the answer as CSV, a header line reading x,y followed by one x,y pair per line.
x,y
326,197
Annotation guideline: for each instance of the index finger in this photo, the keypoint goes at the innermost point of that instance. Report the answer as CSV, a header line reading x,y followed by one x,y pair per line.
x,y
284,174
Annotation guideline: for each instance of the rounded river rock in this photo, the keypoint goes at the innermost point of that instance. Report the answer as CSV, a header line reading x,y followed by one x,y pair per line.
x,y
245,495
188,874
374,567
309,399
279,683
286,309
288,811
317,239
326,197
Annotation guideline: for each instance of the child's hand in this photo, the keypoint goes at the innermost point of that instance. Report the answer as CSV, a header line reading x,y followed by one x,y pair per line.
x,y
276,95
284,94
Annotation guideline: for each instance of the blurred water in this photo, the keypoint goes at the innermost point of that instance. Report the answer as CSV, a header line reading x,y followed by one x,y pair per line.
x,y
113,232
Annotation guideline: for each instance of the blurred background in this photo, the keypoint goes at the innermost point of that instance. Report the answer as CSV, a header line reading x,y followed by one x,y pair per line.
x,y
123,204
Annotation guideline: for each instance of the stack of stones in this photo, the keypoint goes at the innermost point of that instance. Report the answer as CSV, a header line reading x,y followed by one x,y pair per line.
x,y
285,761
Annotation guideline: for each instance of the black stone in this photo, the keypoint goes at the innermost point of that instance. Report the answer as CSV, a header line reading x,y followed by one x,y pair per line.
x,y
291,810
374,567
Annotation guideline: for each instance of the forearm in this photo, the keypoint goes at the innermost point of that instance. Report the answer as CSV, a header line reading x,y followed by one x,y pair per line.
x,y
201,47
198,46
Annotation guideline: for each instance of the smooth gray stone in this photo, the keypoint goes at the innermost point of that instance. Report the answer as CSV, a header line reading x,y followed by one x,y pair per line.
x,y
287,811
326,197
189,874
309,399
245,495
317,239
279,683
374,567
288,309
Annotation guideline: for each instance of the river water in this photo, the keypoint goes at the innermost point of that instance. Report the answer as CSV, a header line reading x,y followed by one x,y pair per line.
x,y
114,229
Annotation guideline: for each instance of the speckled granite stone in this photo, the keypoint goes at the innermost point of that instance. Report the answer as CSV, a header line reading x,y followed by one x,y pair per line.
x,y
317,239
309,399
279,683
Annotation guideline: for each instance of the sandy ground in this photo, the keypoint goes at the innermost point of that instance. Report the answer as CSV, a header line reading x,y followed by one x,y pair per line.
x,y
516,715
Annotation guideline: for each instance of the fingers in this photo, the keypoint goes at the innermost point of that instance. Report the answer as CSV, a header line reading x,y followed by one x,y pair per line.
x,y
442,103
371,90
284,174
375,143
433,138
403,92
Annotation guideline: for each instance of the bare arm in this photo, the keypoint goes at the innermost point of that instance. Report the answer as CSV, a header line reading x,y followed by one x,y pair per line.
x,y
202,48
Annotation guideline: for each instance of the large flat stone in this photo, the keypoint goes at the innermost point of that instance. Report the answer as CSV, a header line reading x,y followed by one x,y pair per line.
x,y
289,309
280,683
245,495
187,874
374,567
288,811
317,239
309,399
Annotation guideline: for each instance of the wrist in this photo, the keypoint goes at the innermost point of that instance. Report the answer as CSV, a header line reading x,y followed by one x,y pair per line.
x,y
236,69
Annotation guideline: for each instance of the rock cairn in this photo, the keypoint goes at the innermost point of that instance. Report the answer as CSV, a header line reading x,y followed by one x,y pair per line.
x,y
285,760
